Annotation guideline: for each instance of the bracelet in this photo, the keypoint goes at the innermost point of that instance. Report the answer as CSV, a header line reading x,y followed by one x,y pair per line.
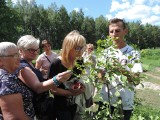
x,y
56,82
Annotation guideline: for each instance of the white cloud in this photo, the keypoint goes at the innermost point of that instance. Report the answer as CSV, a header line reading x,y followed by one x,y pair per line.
x,y
152,20
135,10
156,9
151,2
77,9
86,9
116,6
109,16
139,2
124,0
15,1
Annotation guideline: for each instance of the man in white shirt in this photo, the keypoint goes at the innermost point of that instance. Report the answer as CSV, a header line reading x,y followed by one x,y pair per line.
x,y
117,31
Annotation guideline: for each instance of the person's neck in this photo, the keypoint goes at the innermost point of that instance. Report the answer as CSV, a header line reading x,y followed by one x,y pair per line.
x,y
47,52
120,44
29,61
68,65
7,69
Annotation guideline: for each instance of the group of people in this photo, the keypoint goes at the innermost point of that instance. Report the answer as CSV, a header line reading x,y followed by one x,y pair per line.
x,y
21,81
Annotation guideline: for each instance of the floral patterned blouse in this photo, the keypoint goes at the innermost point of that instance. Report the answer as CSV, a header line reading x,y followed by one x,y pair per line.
x,y
10,84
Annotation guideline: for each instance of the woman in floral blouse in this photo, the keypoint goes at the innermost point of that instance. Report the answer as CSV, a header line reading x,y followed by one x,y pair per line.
x,y
15,98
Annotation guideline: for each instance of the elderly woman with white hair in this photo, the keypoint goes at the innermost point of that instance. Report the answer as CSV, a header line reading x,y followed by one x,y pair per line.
x,y
29,49
15,98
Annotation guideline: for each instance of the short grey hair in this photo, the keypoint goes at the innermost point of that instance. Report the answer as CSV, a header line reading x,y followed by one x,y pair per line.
x,y
6,47
27,42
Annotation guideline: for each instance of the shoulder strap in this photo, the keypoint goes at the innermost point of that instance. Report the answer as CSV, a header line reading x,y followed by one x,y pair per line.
x,y
47,58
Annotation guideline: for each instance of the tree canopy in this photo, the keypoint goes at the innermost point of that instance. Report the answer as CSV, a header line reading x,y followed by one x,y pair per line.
x,y
54,23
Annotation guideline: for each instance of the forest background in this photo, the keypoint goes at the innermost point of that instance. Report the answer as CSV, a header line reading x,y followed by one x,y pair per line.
x,y
54,23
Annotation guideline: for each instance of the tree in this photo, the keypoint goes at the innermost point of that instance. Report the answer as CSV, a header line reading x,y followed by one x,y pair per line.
x,y
76,20
9,22
61,25
101,27
88,29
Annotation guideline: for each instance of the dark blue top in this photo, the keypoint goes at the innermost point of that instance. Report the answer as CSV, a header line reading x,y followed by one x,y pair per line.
x,y
10,84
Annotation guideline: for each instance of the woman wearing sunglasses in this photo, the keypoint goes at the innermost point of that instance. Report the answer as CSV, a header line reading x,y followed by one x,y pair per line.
x,y
72,49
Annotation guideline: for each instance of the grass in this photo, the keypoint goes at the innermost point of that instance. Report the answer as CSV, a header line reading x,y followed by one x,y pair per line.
x,y
153,78
149,98
150,63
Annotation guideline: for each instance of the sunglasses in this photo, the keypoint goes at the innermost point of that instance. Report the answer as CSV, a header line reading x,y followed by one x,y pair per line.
x,y
33,51
116,31
79,48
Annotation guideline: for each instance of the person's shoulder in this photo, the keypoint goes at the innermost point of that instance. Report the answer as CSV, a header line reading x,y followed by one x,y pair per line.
x,y
2,72
9,84
56,61
4,75
129,47
132,50
54,54
42,55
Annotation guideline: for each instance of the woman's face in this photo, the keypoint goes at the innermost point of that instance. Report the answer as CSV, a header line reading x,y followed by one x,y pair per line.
x,y
76,52
30,54
89,49
11,61
47,47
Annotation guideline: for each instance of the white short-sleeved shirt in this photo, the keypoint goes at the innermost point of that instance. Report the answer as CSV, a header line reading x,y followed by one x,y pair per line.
x,y
45,63
126,94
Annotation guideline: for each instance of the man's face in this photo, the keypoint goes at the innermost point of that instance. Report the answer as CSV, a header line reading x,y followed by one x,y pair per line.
x,y
116,30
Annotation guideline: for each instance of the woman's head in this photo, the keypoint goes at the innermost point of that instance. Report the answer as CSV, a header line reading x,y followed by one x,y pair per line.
x,y
28,46
46,45
9,56
73,46
27,42
90,48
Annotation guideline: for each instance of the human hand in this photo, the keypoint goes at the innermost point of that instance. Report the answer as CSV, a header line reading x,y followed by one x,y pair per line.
x,y
64,76
77,89
44,71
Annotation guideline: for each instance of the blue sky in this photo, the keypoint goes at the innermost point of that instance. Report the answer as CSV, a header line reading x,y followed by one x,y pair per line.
x,y
92,8
148,11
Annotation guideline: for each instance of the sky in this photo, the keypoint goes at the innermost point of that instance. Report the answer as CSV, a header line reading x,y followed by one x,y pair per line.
x,y
146,11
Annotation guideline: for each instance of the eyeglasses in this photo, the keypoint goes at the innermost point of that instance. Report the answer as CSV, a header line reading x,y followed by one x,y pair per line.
x,y
16,55
116,31
79,48
33,51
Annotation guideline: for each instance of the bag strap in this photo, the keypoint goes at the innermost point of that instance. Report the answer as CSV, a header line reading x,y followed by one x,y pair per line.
x,y
47,58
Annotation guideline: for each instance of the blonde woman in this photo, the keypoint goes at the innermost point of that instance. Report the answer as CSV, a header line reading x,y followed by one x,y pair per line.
x,y
72,49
